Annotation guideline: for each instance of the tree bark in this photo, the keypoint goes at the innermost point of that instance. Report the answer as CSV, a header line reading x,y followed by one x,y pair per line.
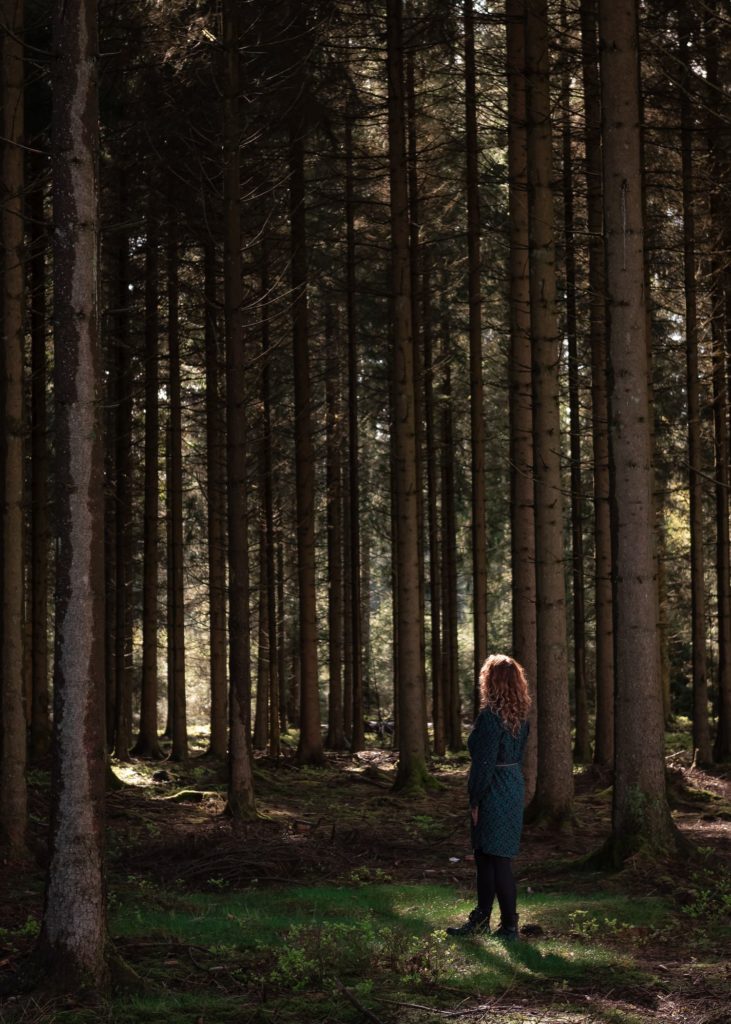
x,y
309,750
74,933
123,496
13,791
701,727
40,722
640,814
554,788
334,485
148,744
582,744
477,413
604,725
412,772
241,769
450,660
176,627
722,742
215,462
522,501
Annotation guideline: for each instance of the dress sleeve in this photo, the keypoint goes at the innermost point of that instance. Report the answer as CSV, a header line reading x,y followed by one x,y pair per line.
x,y
484,744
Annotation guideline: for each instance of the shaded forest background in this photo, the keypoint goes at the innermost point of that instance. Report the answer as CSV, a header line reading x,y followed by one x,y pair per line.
x,y
365,387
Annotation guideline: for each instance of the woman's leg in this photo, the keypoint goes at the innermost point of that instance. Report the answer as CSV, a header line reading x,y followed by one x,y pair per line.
x,y
485,865
506,890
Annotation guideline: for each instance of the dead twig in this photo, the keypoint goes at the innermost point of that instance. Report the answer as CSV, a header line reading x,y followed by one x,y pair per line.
x,y
357,1003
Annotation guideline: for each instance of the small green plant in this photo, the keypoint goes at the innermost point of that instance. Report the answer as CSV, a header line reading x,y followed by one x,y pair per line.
x,y
589,926
710,895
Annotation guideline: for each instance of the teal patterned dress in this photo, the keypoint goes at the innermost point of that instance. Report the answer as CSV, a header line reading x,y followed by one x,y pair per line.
x,y
495,784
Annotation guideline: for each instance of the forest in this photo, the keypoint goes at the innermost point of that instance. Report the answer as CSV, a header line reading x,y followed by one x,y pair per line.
x,y
346,344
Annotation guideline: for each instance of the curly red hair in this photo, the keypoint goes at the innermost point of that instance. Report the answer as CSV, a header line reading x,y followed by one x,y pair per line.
x,y
504,689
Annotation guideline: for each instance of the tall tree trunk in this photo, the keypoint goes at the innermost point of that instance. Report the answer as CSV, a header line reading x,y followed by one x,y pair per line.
x,y
722,742
477,414
412,773
554,788
435,582
640,814
701,728
241,768
176,628
273,664
309,750
522,519
261,713
40,722
122,495
74,932
13,792
450,660
334,485
604,725
582,744
147,744
215,462
354,713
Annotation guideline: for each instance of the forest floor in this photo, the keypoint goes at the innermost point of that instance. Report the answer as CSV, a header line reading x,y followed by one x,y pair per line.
x,y
330,908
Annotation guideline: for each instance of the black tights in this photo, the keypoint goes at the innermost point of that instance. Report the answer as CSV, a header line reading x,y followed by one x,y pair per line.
x,y
495,878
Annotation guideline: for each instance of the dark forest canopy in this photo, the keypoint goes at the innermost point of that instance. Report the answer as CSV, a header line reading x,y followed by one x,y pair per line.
x,y
405,328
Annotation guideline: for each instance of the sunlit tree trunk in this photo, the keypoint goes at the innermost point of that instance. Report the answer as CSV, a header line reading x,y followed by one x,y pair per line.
x,y
450,662
411,772
640,814
241,768
74,933
13,792
701,728
522,520
477,414
216,513
554,787
604,725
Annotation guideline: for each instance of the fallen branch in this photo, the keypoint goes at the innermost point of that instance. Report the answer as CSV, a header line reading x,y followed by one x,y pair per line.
x,y
357,1003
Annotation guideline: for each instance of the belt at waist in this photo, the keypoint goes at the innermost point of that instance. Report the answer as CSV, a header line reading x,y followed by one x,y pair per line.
x,y
512,764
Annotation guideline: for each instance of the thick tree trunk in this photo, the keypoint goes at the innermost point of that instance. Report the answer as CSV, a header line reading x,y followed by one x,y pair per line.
x,y
554,789
123,497
40,722
412,771
640,815
13,792
147,744
582,744
334,487
701,727
604,725
241,769
477,413
176,627
215,463
74,934
522,519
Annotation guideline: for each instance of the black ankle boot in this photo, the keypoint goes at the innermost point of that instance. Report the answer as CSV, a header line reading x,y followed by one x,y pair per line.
x,y
508,930
478,923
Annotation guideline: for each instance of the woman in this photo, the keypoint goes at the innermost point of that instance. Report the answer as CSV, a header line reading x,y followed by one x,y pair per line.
x,y
496,792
